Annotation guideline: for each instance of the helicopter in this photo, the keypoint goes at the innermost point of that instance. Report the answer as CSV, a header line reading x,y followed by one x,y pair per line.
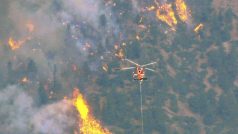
x,y
139,70
139,75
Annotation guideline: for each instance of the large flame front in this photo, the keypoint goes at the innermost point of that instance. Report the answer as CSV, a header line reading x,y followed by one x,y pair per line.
x,y
182,10
88,124
166,14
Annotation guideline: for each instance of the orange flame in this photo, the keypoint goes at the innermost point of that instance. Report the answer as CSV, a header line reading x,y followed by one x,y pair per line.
x,y
88,124
182,10
165,13
16,44
198,27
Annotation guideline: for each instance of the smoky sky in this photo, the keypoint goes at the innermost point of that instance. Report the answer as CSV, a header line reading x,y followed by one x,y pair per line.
x,y
64,33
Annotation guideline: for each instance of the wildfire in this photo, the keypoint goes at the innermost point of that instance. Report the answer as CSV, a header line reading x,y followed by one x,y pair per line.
x,y
182,10
166,14
88,124
151,8
198,27
24,80
17,44
14,44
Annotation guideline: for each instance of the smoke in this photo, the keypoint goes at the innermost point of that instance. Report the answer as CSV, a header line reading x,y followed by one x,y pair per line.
x,y
64,33
88,10
61,33
19,114
16,108
55,118
60,27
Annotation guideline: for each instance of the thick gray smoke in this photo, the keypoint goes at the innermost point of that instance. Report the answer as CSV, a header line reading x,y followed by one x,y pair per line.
x,y
56,34
61,33
20,115
63,42
64,31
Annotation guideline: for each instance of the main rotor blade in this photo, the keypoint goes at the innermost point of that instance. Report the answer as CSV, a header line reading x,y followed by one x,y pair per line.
x,y
148,64
126,68
132,62
152,70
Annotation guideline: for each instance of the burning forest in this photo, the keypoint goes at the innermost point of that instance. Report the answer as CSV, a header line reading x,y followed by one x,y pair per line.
x,y
49,47
88,124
